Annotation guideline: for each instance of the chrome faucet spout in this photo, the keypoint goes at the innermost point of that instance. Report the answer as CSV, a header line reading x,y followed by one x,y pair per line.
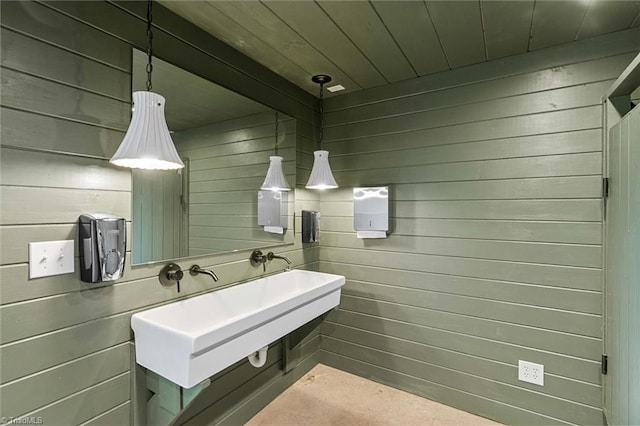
x,y
196,269
257,259
271,256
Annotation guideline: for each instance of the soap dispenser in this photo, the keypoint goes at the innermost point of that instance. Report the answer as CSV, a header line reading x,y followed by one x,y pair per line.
x,y
102,240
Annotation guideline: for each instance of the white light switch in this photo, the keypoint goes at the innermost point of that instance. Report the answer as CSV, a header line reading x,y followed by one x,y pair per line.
x,y
51,258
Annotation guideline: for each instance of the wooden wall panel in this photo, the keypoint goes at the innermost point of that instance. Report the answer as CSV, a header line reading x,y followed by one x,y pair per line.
x,y
66,78
74,409
456,398
496,162
64,380
495,246
224,174
118,415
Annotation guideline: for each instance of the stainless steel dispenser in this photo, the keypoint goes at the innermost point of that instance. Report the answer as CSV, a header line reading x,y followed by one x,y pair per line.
x,y
272,211
371,211
310,226
102,247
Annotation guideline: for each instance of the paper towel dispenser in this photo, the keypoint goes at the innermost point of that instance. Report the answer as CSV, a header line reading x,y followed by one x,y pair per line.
x,y
371,211
310,226
102,247
273,209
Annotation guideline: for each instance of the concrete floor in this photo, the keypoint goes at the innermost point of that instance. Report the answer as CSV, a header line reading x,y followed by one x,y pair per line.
x,y
326,396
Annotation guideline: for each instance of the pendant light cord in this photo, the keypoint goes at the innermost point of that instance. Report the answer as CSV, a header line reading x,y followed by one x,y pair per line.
x,y
321,113
276,135
149,44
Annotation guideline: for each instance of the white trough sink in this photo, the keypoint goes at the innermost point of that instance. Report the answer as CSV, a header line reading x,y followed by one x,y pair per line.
x,y
191,340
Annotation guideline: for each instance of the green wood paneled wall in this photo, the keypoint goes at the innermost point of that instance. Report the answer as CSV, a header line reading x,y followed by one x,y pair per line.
x,y
495,251
228,161
65,346
158,209
623,272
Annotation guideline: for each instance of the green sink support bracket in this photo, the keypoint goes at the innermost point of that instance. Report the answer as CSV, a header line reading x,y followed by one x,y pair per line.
x,y
291,343
168,399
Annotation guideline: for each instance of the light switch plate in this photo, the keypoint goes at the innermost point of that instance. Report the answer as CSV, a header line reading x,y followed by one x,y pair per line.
x,y
51,258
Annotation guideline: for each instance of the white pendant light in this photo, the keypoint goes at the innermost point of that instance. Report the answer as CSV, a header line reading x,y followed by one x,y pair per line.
x,y
321,176
147,143
275,179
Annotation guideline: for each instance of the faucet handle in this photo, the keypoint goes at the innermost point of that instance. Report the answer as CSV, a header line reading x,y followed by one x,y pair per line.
x,y
171,274
257,259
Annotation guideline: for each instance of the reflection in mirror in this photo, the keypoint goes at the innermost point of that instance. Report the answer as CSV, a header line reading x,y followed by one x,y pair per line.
x,y
225,141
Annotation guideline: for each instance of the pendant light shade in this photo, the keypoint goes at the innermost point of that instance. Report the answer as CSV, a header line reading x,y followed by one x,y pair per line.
x,y
275,180
147,143
321,176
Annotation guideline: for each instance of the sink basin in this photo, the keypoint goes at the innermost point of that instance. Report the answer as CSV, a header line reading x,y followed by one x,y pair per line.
x,y
191,340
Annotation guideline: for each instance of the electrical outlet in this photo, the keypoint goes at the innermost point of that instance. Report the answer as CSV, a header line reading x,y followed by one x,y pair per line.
x,y
531,372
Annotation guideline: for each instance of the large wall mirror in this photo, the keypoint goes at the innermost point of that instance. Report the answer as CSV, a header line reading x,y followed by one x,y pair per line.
x,y
225,141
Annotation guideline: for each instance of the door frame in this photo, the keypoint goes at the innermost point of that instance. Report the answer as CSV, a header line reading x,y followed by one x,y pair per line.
x,y
615,105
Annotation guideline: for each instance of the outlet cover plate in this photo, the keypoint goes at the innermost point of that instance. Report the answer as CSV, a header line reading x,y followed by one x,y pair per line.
x,y
51,258
531,372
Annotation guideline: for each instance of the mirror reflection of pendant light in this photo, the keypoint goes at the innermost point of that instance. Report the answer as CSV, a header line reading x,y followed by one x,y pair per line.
x,y
147,143
275,180
321,176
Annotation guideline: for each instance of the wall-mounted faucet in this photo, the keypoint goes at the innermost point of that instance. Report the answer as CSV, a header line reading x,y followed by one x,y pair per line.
x,y
271,256
196,269
258,258
172,274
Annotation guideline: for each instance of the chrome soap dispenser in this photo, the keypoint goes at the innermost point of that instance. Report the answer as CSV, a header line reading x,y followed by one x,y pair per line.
x,y
102,247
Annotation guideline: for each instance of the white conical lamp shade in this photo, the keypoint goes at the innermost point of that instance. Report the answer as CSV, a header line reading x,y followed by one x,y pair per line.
x,y
275,180
147,143
321,176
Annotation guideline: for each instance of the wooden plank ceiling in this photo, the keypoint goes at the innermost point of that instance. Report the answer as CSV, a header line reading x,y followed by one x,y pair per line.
x,y
191,101
363,44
